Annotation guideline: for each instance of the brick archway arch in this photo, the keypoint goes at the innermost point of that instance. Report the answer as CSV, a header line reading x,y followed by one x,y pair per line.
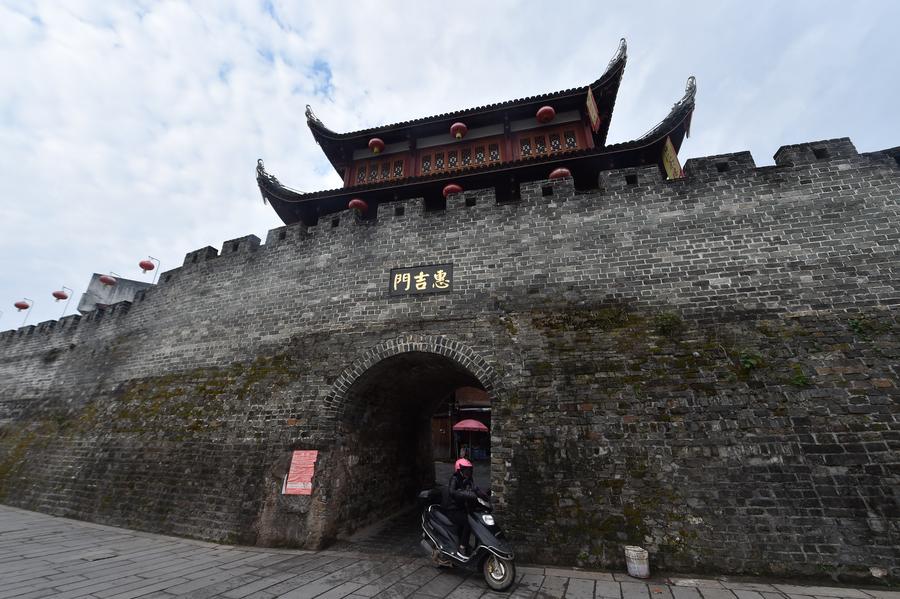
x,y
379,426
465,356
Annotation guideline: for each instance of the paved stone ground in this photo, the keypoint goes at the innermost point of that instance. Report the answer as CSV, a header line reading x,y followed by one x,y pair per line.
x,y
43,556
399,535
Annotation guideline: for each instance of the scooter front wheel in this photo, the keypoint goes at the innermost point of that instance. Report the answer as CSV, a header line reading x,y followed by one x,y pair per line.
x,y
499,573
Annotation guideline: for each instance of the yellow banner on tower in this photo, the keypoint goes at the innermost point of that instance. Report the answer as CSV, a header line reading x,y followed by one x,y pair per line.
x,y
670,161
593,111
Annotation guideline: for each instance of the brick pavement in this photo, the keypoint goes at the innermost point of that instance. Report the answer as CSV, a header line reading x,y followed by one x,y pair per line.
x,y
45,556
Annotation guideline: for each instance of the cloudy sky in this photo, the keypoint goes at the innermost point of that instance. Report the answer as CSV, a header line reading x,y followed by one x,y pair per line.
x,y
133,129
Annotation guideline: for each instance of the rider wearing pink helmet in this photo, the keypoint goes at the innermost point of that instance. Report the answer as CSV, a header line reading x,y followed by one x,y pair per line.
x,y
462,490
463,463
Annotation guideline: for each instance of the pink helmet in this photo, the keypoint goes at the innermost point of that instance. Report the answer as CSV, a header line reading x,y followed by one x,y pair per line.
x,y
463,463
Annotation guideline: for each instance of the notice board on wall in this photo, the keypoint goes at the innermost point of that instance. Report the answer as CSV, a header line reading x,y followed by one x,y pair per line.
x,y
298,480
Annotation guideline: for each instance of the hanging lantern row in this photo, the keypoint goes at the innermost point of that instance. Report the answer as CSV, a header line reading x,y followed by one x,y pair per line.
x,y
376,145
107,280
358,205
458,130
545,114
361,207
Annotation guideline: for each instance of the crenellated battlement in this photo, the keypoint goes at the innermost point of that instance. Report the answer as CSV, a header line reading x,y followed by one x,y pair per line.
x,y
102,316
795,175
114,310
631,180
714,166
247,243
202,255
816,151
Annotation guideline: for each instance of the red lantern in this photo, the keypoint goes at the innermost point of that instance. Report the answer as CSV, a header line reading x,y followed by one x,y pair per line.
x,y
560,173
458,130
358,205
376,145
146,265
22,306
108,280
451,188
545,114
60,295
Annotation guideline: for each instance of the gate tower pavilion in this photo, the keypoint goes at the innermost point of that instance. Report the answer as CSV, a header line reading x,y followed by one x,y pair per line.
x,y
495,146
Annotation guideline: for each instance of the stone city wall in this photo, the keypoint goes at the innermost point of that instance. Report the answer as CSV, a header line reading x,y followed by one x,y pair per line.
x,y
706,367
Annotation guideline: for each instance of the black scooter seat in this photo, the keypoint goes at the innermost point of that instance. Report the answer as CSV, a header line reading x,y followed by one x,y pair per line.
x,y
440,516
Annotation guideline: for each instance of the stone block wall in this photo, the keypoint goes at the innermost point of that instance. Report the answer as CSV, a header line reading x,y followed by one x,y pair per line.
x,y
732,442
705,366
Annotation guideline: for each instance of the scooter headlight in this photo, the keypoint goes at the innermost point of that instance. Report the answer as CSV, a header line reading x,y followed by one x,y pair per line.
x,y
487,519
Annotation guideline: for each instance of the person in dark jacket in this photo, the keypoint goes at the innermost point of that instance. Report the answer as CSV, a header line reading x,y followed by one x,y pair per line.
x,y
462,492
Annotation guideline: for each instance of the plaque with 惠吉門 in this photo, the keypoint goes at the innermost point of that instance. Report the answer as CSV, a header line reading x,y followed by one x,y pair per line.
x,y
434,278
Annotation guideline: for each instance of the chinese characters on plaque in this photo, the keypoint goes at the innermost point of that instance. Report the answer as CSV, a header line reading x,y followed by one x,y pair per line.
x,y
421,279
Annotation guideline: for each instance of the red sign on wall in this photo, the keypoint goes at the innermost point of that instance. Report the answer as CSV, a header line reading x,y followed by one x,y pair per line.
x,y
299,478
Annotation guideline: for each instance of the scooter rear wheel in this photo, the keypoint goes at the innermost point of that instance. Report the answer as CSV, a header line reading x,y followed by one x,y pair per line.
x,y
499,573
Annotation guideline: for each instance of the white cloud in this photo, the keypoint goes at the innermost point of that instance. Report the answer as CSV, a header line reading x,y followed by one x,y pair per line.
x,y
128,130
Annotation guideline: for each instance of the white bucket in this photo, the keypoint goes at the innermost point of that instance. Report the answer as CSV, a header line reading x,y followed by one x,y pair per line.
x,y
637,561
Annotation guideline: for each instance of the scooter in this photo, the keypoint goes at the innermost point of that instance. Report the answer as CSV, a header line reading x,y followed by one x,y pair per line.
x,y
490,554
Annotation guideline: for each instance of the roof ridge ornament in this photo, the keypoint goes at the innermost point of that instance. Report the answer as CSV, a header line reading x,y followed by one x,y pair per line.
x,y
310,115
621,53
690,91
263,176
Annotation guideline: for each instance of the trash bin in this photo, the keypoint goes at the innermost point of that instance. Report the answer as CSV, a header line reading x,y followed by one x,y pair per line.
x,y
637,562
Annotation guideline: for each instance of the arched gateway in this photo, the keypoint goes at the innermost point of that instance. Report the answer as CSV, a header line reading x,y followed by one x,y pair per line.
x,y
381,409
383,405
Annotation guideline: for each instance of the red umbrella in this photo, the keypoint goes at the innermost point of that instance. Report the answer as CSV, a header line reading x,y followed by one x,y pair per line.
x,y
473,426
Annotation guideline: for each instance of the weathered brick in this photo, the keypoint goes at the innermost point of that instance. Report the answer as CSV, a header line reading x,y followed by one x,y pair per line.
x,y
706,367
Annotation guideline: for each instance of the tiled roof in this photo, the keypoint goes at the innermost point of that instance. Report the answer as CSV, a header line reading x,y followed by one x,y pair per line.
x,y
612,70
